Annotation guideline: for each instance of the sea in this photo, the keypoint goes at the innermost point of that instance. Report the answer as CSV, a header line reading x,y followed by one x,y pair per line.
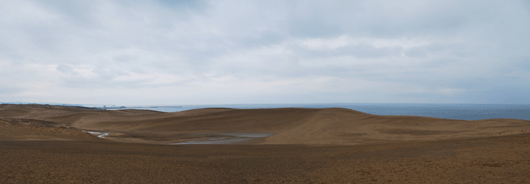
x,y
447,111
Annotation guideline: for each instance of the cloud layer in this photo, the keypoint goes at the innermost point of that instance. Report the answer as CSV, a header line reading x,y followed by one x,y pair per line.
x,y
232,52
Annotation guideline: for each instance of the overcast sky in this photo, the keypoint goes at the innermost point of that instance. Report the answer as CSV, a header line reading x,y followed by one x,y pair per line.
x,y
247,52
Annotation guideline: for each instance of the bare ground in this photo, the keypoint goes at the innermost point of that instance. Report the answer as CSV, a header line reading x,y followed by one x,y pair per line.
x,y
46,144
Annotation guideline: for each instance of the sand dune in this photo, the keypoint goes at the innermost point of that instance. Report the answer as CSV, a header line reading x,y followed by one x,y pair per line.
x,y
331,126
54,144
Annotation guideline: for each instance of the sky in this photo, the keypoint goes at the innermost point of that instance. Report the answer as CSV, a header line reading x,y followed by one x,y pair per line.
x,y
261,52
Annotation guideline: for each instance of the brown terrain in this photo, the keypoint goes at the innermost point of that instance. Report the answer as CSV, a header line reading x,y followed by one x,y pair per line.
x,y
57,144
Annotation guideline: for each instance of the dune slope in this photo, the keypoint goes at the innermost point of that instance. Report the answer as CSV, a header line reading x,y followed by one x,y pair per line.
x,y
287,125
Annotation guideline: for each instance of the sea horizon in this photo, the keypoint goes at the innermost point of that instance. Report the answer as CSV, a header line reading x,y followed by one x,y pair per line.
x,y
462,111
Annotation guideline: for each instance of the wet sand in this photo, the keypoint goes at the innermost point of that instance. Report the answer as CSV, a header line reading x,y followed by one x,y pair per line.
x,y
47,144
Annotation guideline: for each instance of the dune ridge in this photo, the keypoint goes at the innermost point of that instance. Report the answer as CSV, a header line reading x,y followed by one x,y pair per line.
x,y
330,126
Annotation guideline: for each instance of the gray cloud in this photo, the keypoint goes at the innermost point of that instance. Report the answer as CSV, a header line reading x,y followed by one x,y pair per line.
x,y
284,51
64,68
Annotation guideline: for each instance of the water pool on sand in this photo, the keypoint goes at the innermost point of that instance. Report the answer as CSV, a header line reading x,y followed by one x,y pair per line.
x,y
184,138
227,138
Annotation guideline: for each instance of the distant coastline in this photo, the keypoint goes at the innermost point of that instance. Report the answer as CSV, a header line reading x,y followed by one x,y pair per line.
x,y
446,111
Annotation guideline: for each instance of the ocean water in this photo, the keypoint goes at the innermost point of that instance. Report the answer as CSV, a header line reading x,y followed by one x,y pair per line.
x,y
447,111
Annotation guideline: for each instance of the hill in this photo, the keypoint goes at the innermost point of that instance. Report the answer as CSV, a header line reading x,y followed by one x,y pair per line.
x,y
329,126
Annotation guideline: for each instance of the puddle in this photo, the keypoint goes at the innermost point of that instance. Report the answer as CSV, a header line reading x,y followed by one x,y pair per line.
x,y
99,134
226,138
187,138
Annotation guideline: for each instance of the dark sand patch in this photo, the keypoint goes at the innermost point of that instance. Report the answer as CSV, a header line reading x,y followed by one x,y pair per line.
x,y
416,132
9,113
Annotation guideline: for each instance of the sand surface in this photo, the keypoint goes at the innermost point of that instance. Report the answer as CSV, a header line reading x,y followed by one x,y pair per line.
x,y
55,144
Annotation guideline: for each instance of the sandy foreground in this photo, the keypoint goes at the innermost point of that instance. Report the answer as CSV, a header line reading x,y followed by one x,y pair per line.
x,y
55,144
